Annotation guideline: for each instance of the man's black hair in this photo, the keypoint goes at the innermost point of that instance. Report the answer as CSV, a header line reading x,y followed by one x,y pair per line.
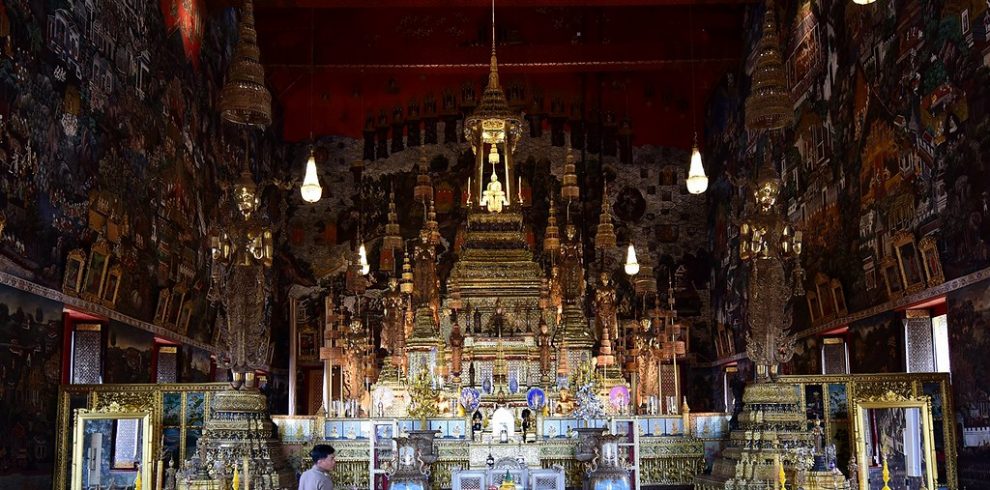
x,y
321,451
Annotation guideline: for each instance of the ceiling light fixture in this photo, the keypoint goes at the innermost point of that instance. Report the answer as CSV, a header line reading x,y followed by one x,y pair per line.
x,y
631,265
310,188
363,259
697,181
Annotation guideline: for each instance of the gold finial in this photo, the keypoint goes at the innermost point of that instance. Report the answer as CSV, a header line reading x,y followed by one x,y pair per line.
x,y
493,73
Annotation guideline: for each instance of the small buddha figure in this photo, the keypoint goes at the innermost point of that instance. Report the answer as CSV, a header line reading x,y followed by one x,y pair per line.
x,y
477,421
528,426
494,197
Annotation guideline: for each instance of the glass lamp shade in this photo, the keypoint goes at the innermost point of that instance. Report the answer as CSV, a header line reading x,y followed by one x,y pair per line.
x,y
363,258
310,189
863,2
631,266
697,181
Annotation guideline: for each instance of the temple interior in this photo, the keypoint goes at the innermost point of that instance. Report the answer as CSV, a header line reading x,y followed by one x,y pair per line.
x,y
520,245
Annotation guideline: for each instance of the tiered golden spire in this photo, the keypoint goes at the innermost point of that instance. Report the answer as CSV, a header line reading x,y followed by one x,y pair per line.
x,y
569,190
605,235
406,285
244,98
768,105
393,233
551,238
432,226
424,187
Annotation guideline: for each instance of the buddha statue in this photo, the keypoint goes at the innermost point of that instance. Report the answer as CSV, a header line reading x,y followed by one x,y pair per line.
x,y
494,197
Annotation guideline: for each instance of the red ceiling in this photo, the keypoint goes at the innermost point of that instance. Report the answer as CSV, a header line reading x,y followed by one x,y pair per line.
x,y
329,64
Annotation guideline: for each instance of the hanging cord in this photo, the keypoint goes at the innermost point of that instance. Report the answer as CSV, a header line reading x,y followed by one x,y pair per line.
x,y
694,102
312,70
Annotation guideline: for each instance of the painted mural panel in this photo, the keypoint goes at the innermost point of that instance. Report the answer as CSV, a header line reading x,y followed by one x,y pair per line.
x,y
890,139
969,342
196,367
30,358
877,344
128,355
108,132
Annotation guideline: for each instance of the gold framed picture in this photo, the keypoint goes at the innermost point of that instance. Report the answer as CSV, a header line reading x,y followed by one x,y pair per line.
x,y
839,298
309,348
910,262
96,270
75,266
931,261
111,286
161,310
892,277
184,317
824,288
814,306
175,306
897,432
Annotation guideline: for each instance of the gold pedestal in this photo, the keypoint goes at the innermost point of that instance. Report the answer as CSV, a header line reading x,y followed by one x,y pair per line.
x,y
239,435
772,429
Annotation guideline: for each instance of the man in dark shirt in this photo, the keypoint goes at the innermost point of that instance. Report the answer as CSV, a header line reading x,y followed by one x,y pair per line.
x,y
318,477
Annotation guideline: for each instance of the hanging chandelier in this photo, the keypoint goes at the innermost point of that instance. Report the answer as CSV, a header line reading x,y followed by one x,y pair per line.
x,y
631,266
310,188
697,181
244,98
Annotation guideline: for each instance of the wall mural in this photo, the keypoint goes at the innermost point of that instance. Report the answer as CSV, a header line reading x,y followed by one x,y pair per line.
x,y
196,366
876,344
30,359
128,355
969,322
108,125
886,162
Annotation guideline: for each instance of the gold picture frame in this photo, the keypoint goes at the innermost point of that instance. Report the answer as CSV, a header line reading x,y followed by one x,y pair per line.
x,y
161,309
75,266
930,258
87,448
879,417
824,288
814,306
892,277
175,306
184,318
839,297
909,261
96,270
148,398
111,286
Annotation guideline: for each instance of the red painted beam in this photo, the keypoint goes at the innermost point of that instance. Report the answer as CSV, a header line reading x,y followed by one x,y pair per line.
x,y
453,4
